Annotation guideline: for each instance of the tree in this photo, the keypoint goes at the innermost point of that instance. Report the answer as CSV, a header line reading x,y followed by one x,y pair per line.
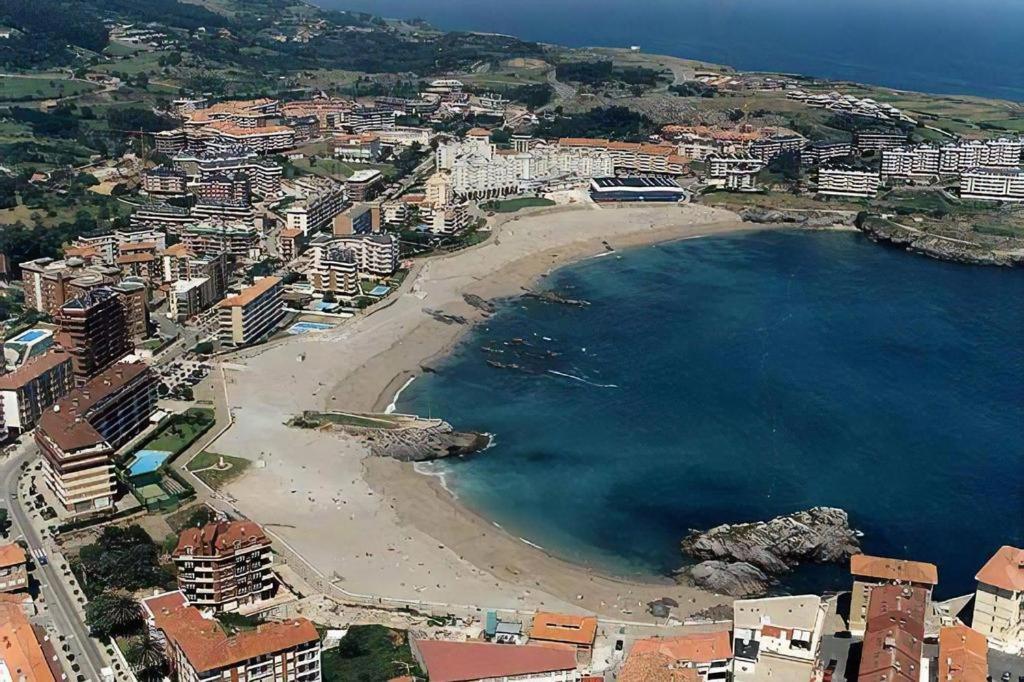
x,y
113,613
121,558
146,656
5,522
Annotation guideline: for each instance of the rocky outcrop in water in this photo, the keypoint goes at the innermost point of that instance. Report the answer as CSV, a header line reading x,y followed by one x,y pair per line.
x,y
422,445
744,559
943,248
808,219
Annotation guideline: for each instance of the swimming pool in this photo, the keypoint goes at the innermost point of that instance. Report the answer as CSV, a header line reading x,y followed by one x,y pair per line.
x,y
30,335
147,461
379,290
306,327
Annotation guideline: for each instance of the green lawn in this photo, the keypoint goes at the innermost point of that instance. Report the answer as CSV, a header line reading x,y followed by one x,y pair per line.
x,y
217,478
513,205
370,653
180,431
44,87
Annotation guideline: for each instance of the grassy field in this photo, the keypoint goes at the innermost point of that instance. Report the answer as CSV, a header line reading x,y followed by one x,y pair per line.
x,y
17,88
181,431
778,201
333,168
369,652
513,205
139,62
217,478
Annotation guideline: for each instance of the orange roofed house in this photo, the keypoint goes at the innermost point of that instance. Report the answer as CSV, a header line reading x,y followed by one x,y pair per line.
x,y
481,661
894,637
13,568
701,656
871,571
576,631
26,653
225,564
999,600
199,649
963,655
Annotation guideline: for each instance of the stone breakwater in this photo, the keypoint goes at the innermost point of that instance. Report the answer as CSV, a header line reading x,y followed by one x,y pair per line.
x,y
745,559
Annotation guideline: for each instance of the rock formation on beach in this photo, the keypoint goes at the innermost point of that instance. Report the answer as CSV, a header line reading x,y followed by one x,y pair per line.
x,y
744,559
808,219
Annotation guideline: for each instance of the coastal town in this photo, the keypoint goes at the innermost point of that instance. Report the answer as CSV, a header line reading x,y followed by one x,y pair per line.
x,y
213,298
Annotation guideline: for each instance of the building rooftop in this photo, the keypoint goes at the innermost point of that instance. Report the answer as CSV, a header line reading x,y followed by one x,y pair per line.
x,y
794,612
559,627
703,647
893,640
364,176
1004,570
12,555
652,666
897,570
33,369
220,537
23,655
963,655
250,294
466,661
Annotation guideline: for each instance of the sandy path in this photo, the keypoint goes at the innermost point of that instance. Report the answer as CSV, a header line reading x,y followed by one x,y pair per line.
x,y
376,526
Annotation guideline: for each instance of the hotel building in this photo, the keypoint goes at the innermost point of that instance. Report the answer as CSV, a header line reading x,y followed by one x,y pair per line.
x,y
79,434
848,182
869,572
96,326
999,601
224,565
29,390
993,184
199,650
252,314
894,636
777,637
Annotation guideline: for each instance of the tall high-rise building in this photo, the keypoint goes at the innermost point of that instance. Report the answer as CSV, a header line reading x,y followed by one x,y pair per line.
x,y
96,331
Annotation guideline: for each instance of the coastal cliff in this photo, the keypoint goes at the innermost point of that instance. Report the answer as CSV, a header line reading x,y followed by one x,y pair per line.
x,y
807,219
745,559
936,246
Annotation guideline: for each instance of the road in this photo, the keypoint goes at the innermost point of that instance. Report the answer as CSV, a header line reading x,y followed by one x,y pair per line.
x,y
61,606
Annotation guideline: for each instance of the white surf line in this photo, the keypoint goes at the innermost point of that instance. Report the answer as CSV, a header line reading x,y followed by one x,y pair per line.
x,y
532,544
394,401
582,380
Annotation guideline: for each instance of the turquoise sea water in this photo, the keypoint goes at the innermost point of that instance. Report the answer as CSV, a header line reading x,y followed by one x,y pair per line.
x,y
944,46
736,378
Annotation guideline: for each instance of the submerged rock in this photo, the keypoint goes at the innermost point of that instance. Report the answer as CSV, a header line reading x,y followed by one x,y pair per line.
x,y
771,548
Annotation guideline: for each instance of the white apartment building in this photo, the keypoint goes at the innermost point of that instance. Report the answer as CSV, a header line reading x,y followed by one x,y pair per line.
x,y
908,162
317,210
999,601
993,184
777,638
252,314
188,297
957,158
736,173
335,271
847,182
376,254
446,219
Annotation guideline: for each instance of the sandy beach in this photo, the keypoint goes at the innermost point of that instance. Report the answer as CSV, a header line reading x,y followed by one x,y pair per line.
x,y
375,526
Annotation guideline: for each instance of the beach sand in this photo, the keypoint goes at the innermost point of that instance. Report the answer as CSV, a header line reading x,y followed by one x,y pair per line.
x,y
375,526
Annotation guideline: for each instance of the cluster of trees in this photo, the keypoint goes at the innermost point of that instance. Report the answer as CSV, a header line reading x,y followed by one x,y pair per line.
x,y
45,30
604,71
693,89
616,123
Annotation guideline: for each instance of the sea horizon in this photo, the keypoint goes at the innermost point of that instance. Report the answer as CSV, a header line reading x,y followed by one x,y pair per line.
x,y
915,45
793,367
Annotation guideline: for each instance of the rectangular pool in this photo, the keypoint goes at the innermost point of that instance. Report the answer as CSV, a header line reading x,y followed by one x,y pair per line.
x,y
306,327
147,461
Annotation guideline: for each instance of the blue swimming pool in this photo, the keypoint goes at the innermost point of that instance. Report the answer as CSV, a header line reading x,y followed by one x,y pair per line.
x,y
379,290
30,335
147,461
306,327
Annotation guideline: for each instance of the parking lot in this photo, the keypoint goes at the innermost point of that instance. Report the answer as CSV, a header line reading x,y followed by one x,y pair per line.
x,y
178,377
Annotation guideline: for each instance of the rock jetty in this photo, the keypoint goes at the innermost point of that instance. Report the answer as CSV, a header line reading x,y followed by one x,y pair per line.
x,y
745,559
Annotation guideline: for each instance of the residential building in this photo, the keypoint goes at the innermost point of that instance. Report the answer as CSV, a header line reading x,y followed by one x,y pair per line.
x,y
103,244
906,162
212,237
407,106
844,181
79,434
224,565
362,148
376,255
262,139
871,571
198,648
335,271
306,128
290,243
49,283
768,148
133,294
894,637
447,219
777,638
138,260
578,632
733,172
877,141
264,174
29,390
819,152
13,568
357,219
446,661
639,157
170,141
963,655
161,216
364,185
28,654
163,180
700,142
96,326
252,314
705,655
406,136
993,184
187,298
316,211
963,156
999,600
223,189
363,119
438,189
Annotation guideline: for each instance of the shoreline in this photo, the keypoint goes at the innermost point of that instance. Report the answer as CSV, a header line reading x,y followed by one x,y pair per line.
x,y
378,502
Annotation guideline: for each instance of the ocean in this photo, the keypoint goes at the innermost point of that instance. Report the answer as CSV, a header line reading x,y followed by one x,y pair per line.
x,y
735,378
942,46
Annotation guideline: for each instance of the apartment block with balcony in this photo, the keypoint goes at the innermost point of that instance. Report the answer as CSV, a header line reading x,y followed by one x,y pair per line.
x,y
29,390
96,325
224,565
252,314
993,184
841,181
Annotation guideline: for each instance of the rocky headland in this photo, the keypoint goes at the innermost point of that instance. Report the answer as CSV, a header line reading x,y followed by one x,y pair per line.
x,y
807,219
746,559
1002,251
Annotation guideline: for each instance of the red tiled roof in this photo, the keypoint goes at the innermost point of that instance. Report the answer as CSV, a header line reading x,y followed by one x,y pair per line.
x,y
468,661
1004,570
963,655
703,647
560,627
893,639
220,537
250,294
33,369
893,569
12,555
22,653
651,666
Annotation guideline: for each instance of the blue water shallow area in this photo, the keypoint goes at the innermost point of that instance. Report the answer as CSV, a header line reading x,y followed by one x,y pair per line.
x,y
735,378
